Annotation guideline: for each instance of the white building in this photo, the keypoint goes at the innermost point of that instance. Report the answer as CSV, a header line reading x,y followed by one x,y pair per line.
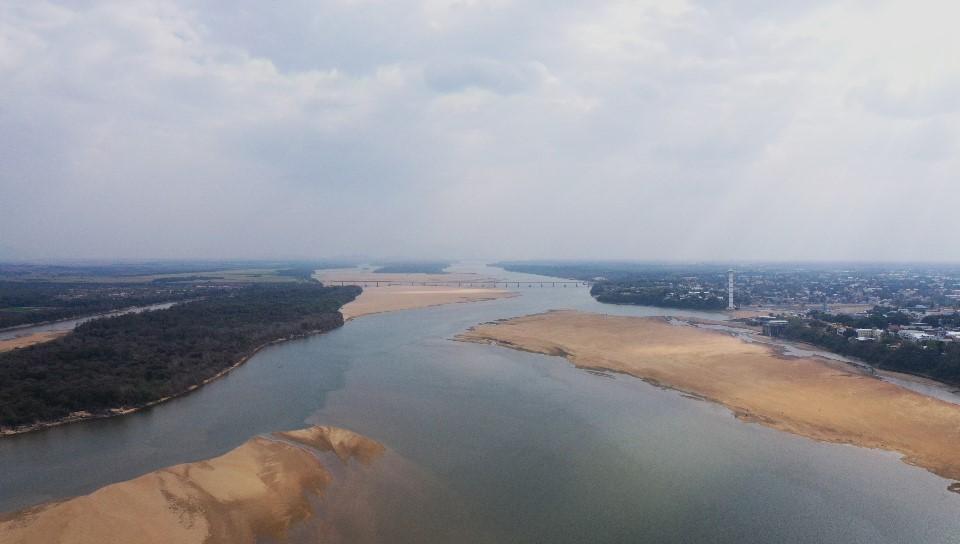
x,y
874,334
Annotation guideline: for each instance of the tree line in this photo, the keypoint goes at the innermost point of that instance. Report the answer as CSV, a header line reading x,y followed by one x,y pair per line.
x,y
937,360
25,302
134,359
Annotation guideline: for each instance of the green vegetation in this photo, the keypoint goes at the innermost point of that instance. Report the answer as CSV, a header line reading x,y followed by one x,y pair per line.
x,y
25,302
424,267
636,293
937,360
134,359
32,293
880,317
944,320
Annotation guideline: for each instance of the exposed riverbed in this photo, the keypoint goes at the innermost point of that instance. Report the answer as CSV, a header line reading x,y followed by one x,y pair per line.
x,y
518,446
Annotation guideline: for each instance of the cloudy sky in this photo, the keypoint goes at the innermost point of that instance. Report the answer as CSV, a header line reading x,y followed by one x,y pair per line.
x,y
687,129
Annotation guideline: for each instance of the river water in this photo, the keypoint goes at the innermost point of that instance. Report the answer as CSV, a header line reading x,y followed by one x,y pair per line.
x,y
522,447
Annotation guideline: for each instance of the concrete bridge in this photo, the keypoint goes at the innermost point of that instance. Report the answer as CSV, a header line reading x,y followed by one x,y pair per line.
x,y
464,283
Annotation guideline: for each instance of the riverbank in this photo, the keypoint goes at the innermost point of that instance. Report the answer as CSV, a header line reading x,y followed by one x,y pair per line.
x,y
806,396
30,339
261,490
77,417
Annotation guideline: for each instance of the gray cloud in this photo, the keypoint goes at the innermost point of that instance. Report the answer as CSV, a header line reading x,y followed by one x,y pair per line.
x,y
482,128
491,75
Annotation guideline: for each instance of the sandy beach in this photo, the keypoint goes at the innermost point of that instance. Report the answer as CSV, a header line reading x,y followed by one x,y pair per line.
x,y
30,339
407,291
804,396
259,490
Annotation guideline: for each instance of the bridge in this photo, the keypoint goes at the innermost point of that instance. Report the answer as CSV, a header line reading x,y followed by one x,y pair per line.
x,y
464,283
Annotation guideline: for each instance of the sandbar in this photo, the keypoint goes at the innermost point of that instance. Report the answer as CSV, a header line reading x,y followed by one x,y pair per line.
x,y
30,339
374,300
809,397
257,491
397,292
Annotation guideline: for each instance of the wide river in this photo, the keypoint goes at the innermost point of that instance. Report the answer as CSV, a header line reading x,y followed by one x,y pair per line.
x,y
522,447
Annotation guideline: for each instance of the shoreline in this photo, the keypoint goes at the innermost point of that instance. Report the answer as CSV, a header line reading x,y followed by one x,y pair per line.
x,y
810,397
851,362
79,417
262,489
27,340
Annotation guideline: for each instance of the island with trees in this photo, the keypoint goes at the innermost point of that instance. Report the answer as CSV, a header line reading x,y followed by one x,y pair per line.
x,y
114,365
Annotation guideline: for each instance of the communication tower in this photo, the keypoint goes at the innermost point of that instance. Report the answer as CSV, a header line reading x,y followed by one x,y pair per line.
x,y
730,305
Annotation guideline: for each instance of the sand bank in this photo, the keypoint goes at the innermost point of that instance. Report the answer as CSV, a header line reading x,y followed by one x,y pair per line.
x,y
30,339
259,490
805,396
409,291
374,300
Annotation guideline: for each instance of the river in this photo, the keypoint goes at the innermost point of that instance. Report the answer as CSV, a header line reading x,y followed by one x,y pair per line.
x,y
525,447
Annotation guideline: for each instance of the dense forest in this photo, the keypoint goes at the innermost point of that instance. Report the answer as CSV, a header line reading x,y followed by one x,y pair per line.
x,y
937,360
33,293
24,302
134,359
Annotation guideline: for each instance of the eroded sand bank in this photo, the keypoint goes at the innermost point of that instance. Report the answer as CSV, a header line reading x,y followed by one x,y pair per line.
x,y
30,339
804,396
407,291
374,300
258,490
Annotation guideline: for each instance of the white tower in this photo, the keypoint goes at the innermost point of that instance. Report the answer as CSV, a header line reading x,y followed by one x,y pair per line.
x,y
730,289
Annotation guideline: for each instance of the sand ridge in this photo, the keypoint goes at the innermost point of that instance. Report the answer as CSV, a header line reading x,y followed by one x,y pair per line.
x,y
805,396
410,291
258,490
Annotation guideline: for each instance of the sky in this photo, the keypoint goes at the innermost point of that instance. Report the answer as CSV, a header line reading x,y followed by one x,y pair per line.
x,y
472,129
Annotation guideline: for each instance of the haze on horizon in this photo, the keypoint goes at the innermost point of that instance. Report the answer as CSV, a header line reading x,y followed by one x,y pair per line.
x,y
687,129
